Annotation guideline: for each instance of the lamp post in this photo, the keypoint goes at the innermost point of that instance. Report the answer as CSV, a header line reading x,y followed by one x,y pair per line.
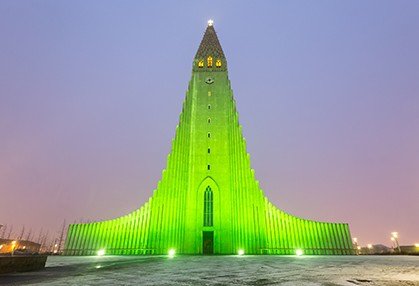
x,y
394,238
369,248
13,246
355,245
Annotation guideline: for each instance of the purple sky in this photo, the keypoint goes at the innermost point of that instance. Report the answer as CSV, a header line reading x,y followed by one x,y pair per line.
x,y
327,92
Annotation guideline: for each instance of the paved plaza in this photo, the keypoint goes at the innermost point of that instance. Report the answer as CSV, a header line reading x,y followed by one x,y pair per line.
x,y
223,270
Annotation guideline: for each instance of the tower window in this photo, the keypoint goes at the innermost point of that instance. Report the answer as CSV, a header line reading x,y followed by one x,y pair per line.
x,y
201,64
209,120
209,106
209,150
209,135
209,62
218,63
208,167
208,207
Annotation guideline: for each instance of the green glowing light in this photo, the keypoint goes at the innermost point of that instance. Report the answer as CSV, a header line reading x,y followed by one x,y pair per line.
x,y
299,252
101,252
171,253
240,252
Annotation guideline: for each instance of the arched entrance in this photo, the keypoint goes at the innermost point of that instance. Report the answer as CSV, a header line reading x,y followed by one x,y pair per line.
x,y
208,235
208,216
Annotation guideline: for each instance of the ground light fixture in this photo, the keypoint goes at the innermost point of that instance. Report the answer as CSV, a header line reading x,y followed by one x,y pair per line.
x,y
240,252
299,252
101,252
171,253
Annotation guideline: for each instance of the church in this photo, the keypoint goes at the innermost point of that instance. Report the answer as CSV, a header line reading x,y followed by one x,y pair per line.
x,y
208,200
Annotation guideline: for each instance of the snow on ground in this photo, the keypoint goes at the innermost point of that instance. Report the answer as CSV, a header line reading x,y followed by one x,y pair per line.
x,y
223,270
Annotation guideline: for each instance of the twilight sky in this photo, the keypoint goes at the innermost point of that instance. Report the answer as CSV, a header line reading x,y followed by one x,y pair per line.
x,y
327,93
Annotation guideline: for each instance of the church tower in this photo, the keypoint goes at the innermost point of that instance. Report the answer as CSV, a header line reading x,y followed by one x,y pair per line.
x,y
208,200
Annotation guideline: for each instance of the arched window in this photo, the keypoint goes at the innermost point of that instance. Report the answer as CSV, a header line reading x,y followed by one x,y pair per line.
x,y
209,120
201,64
218,63
208,207
209,62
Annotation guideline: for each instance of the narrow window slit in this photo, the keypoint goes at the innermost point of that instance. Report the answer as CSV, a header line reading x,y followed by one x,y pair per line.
x,y
208,207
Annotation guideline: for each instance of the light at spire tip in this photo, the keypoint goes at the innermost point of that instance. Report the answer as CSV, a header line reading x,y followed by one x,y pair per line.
x,y
210,22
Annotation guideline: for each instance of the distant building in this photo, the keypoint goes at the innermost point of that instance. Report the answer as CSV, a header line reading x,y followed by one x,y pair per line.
x,y
208,200
375,249
409,249
10,245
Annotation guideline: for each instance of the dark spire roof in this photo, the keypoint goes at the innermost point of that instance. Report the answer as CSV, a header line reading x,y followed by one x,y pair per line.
x,y
210,46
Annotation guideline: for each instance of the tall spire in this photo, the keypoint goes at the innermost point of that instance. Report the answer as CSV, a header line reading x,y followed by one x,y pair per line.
x,y
210,47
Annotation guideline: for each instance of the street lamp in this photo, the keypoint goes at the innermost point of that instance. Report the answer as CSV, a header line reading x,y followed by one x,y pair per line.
x,y
369,245
355,245
13,246
394,238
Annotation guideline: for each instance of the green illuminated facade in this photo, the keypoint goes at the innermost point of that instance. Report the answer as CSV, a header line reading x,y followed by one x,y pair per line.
x,y
208,200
